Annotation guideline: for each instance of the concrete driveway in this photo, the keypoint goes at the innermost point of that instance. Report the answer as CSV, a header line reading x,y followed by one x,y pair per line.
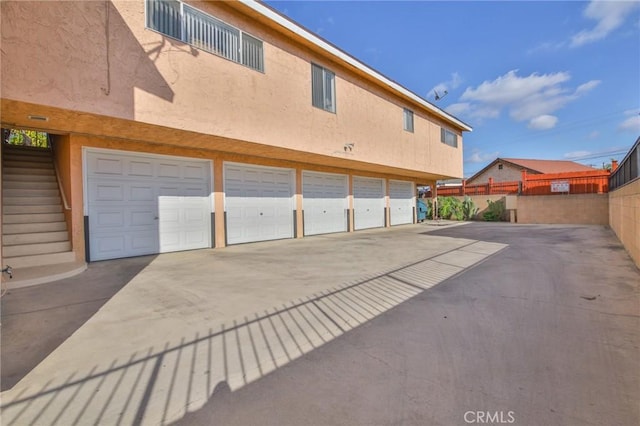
x,y
191,320
544,325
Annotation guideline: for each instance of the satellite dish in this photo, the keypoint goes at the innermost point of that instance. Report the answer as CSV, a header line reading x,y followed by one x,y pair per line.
x,y
437,95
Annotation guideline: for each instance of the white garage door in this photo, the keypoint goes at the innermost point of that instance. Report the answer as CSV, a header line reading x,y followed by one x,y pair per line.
x,y
324,202
258,203
401,202
141,204
368,202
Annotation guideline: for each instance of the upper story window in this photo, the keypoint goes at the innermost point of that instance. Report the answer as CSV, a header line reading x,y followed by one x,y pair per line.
x,y
190,25
499,166
408,120
448,137
323,88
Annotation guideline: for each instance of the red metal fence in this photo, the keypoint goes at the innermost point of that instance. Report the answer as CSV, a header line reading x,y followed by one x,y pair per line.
x,y
589,182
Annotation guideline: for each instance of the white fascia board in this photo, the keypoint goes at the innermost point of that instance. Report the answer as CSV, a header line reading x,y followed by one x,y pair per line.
x,y
291,26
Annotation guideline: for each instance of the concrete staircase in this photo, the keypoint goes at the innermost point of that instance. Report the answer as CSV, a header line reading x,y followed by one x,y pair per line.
x,y
34,231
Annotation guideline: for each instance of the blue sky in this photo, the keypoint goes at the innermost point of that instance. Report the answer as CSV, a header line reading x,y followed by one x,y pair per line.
x,y
542,79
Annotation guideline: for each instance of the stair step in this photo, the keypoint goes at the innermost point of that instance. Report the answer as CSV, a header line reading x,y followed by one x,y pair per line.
x,y
31,209
30,201
27,171
34,238
32,227
33,249
28,164
42,274
30,192
21,177
16,184
39,260
34,218
11,156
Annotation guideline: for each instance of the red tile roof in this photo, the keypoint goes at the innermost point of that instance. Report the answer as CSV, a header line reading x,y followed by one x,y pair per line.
x,y
548,166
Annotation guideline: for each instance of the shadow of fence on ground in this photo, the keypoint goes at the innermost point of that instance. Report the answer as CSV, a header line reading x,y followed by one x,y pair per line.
x,y
162,384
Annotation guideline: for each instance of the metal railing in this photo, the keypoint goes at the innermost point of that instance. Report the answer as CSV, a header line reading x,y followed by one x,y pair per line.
x,y
199,29
629,168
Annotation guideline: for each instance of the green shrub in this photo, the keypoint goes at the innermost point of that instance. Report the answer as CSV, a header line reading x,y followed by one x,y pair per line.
x,y
452,208
469,209
495,211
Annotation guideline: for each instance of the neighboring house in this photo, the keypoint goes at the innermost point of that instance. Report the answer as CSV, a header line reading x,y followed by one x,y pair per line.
x,y
184,125
510,169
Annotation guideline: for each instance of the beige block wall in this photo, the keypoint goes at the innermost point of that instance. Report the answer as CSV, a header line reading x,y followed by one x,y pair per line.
x,y
98,57
587,209
624,217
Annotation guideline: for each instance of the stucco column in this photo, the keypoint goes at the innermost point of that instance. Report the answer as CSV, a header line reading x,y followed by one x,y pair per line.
x,y
218,203
299,216
75,197
350,221
387,204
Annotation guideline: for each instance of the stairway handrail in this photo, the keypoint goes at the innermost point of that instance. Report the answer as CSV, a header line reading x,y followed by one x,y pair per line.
x,y
65,203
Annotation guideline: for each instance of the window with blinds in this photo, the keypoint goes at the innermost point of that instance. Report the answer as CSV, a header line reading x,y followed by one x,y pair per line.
x,y
323,88
448,137
408,120
190,25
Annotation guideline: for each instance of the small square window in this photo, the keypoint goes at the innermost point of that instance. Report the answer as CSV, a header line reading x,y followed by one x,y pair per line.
x,y
499,166
408,120
447,137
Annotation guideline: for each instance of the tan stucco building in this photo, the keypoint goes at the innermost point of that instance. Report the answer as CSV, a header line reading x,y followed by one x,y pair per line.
x,y
181,125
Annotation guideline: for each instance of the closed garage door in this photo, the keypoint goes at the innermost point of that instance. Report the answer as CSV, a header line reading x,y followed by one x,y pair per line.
x,y
141,204
368,202
258,203
401,202
324,202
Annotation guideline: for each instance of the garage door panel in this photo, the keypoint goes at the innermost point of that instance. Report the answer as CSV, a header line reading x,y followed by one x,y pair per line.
x,y
143,243
138,217
111,244
143,204
109,219
106,192
107,165
195,173
168,171
141,193
401,202
368,203
140,168
258,203
324,202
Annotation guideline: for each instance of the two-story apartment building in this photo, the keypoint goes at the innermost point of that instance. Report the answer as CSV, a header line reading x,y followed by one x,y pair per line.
x,y
179,125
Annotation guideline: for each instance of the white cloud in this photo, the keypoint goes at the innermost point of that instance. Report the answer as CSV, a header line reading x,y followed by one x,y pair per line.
x,y
543,122
632,123
459,108
479,157
510,87
609,15
577,154
587,87
535,96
